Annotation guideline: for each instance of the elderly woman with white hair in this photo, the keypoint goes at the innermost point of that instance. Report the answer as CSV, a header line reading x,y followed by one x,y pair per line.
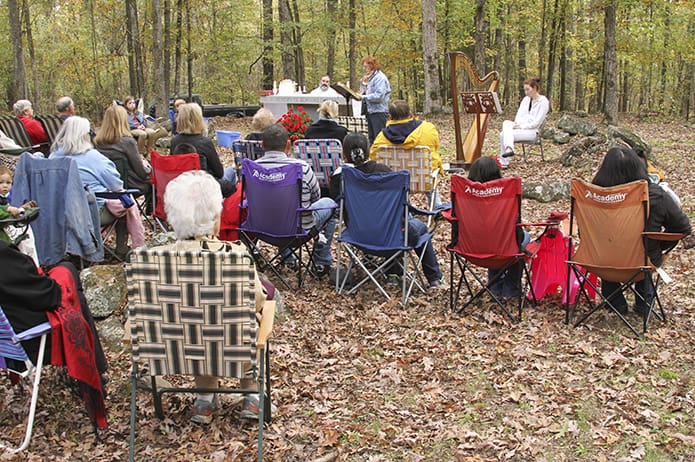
x,y
326,126
193,204
98,174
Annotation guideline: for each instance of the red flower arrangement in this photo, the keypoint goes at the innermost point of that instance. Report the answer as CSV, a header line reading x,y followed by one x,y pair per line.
x,y
295,122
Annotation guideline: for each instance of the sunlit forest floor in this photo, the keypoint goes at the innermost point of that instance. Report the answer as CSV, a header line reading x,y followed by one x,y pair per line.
x,y
356,378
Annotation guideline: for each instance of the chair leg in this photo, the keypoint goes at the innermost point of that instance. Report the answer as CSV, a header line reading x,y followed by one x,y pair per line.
x,y
261,404
34,395
133,410
523,149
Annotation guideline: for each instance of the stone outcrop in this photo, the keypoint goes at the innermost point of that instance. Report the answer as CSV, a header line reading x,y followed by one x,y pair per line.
x,y
105,289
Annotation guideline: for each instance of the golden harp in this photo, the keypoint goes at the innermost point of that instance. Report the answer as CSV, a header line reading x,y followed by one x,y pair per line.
x,y
473,96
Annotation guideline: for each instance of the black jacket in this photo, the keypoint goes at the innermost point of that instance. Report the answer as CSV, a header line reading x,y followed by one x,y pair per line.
x,y
325,128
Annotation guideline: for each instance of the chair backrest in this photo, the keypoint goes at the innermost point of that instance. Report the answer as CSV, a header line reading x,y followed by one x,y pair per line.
x,y
418,161
273,199
165,169
8,348
69,218
51,124
248,149
14,128
486,216
611,222
192,312
375,207
354,124
324,156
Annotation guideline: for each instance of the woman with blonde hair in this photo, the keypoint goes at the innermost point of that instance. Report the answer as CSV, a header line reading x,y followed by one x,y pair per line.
x,y
115,142
192,130
326,126
262,119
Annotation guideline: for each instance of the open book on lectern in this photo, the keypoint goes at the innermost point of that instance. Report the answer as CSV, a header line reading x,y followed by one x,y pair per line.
x,y
346,92
481,102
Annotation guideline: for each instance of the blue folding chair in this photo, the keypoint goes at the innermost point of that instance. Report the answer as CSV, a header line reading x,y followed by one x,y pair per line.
x,y
272,200
11,348
375,211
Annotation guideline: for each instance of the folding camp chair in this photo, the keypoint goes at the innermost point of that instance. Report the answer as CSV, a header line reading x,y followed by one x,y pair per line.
x,y
11,348
322,154
14,128
51,125
194,313
165,169
271,197
246,149
417,161
485,218
354,124
613,244
69,222
536,142
378,230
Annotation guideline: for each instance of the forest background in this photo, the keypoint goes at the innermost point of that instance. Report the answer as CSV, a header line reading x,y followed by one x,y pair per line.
x,y
607,56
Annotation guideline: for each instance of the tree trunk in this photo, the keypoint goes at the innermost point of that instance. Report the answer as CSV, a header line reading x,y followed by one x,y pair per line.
x,y
541,44
161,100
480,32
189,50
134,55
32,57
20,72
610,106
267,32
552,49
167,50
522,67
298,51
94,106
177,47
331,12
352,45
664,62
429,57
285,17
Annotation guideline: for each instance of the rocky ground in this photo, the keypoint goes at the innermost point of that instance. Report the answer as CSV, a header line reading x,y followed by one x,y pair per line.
x,y
356,378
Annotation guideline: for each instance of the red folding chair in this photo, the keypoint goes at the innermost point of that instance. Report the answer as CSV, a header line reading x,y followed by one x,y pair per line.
x,y
484,219
165,169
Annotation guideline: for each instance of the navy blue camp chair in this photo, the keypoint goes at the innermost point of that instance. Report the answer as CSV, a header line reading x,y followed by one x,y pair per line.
x,y
377,229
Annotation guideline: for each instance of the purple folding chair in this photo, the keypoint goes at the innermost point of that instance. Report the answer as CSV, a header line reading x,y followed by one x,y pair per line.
x,y
272,199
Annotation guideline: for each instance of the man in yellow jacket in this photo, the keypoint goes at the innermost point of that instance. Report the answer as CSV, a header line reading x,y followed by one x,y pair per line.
x,y
404,130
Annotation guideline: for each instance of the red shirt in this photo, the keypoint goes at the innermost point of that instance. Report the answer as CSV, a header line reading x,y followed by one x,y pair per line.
x,y
34,129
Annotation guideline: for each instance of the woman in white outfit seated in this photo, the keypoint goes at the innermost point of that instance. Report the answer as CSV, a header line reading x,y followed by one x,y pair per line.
x,y
529,118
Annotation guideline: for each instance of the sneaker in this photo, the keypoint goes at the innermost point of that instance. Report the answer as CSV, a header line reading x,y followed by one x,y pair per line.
x,y
436,284
290,263
203,409
393,279
508,154
249,409
321,270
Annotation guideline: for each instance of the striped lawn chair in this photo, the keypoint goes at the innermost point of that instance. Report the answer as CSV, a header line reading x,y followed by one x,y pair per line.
x,y
194,313
51,125
246,149
11,348
322,154
417,161
354,124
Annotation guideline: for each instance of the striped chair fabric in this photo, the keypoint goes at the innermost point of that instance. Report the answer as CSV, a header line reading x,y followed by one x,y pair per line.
x,y
14,128
248,149
354,124
322,154
9,347
192,312
417,161
51,125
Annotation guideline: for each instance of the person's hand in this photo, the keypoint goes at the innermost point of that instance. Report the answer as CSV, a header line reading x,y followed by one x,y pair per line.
x,y
15,211
29,205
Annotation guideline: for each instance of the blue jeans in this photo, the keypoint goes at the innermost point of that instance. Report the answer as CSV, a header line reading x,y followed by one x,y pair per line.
x,y
430,265
509,283
230,175
322,251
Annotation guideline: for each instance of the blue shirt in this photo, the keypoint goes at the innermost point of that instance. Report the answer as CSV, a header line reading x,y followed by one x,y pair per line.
x,y
377,93
96,171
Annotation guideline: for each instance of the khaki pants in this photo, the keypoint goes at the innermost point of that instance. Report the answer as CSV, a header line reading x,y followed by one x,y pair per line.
x,y
147,137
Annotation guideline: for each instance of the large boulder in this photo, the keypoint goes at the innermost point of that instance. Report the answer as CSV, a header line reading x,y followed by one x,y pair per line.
x,y
630,137
547,192
584,145
105,289
111,333
574,126
561,137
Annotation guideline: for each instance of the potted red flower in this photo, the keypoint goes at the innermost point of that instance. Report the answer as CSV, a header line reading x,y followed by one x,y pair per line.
x,y
295,122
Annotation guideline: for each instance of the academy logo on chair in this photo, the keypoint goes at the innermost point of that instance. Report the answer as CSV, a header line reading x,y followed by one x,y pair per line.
x,y
487,192
269,177
606,198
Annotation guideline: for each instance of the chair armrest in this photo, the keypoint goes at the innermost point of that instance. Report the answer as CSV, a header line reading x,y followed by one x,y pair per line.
x,y
115,194
267,319
658,236
36,331
449,217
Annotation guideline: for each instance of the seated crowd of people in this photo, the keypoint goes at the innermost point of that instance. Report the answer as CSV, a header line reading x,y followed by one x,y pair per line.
x,y
194,202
